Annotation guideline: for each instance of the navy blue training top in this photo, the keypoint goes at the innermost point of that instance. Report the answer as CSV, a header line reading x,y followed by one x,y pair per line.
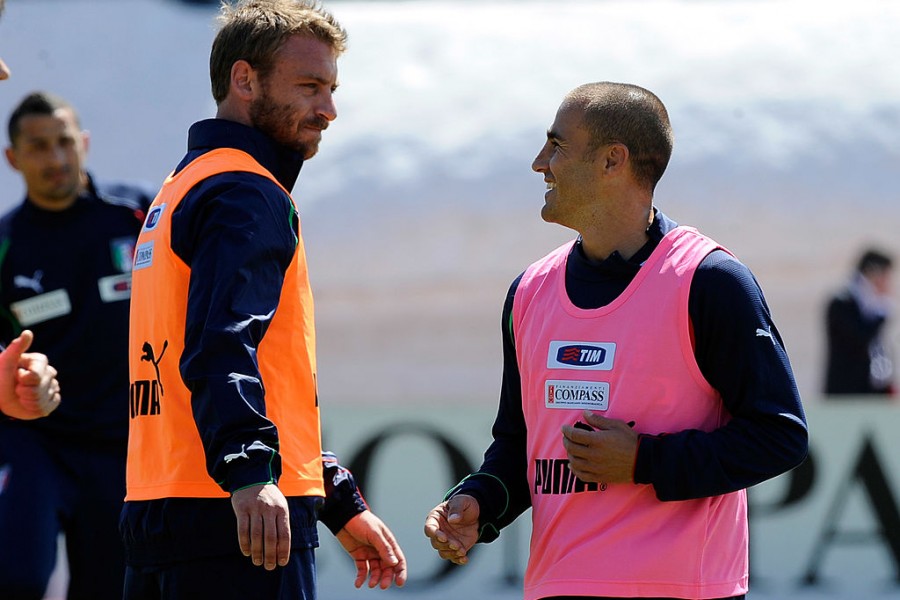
x,y
67,274
766,436
240,231
237,232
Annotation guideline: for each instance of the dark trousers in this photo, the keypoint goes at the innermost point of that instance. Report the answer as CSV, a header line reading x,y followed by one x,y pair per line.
x,y
224,578
49,486
187,548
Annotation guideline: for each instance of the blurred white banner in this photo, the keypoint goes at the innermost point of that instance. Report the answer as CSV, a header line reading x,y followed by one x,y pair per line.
x,y
828,530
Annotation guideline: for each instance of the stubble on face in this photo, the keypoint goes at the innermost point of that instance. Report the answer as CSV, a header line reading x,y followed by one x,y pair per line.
x,y
276,120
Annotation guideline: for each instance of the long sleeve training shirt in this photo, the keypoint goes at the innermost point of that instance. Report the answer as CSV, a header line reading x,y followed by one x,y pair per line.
x,y
766,435
238,231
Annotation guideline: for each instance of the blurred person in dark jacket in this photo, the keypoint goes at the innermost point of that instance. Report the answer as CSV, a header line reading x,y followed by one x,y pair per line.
x,y
65,274
859,360
28,385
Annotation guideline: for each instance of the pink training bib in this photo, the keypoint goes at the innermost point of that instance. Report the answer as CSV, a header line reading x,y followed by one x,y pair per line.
x,y
631,360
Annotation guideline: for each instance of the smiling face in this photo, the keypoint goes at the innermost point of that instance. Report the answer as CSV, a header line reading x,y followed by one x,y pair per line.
x,y
49,151
569,169
295,101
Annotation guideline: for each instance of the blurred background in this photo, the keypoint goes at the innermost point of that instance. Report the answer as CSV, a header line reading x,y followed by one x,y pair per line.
x,y
421,207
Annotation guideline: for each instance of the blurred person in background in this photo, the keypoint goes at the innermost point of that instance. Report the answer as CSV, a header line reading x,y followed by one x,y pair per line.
x,y
224,477
859,359
65,273
645,385
28,385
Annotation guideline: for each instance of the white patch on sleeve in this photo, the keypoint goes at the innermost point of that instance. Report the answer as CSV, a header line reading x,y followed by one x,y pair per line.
x,y
43,307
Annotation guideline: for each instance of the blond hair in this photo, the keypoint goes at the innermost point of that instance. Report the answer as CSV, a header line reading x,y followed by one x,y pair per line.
x,y
255,30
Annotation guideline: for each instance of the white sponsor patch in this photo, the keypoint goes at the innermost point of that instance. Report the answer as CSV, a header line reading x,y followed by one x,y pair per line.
x,y
143,255
115,287
44,307
585,356
590,395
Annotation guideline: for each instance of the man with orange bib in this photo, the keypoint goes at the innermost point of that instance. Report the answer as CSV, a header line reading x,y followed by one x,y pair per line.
x,y
224,476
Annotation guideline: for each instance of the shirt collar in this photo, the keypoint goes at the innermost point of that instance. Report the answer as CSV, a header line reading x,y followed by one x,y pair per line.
x,y
658,228
203,136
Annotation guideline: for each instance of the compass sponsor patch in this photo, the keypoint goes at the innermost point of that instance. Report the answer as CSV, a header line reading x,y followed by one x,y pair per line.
x,y
589,395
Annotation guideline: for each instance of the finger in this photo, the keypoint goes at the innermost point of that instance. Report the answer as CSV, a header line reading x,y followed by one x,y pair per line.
x,y
400,574
32,368
433,529
270,541
386,546
387,578
52,404
439,545
398,570
27,378
397,573
576,435
256,539
576,449
243,525
23,342
374,573
448,551
601,422
459,509
392,571
362,571
13,353
584,470
454,558
389,575
283,525
28,393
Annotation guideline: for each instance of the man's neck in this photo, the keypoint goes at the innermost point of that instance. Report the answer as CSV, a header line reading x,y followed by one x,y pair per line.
x,y
625,236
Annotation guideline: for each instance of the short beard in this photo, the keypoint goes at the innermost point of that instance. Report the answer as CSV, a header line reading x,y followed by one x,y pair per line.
x,y
274,120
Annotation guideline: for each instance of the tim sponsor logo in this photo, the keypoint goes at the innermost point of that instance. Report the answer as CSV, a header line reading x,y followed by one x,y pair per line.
x,y
595,356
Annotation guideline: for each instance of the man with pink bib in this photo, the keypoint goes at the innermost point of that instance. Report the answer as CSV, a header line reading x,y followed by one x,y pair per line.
x,y
645,385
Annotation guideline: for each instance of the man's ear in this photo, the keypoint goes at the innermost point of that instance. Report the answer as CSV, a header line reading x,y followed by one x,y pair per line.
x,y
11,158
616,157
243,80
